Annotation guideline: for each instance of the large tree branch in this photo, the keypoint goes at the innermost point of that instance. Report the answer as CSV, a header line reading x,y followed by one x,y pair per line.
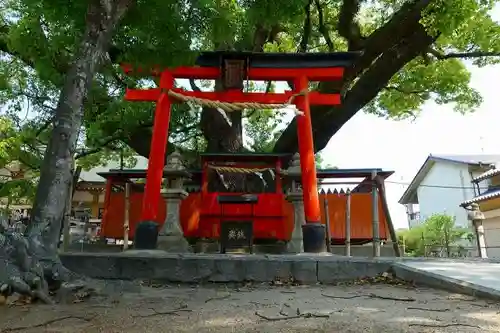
x,y
139,140
4,46
60,61
322,27
193,85
306,30
347,27
402,23
462,55
326,121
95,150
260,38
405,91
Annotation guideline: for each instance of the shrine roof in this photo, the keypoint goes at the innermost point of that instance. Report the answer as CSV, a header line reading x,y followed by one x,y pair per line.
x,y
364,186
90,185
135,173
321,173
347,173
84,183
279,60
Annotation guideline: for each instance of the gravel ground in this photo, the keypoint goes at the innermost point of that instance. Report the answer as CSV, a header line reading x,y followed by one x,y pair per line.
x,y
132,307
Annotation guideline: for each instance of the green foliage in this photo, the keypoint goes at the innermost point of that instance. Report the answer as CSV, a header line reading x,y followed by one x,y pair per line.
x,y
7,140
18,189
448,17
39,39
437,233
446,82
260,128
11,151
462,26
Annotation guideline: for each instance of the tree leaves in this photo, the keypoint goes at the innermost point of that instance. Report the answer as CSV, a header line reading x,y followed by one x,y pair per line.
x,y
437,233
18,189
447,17
11,152
444,81
37,39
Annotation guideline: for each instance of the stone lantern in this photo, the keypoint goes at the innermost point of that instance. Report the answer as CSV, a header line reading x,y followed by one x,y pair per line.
x,y
475,215
175,172
171,237
295,196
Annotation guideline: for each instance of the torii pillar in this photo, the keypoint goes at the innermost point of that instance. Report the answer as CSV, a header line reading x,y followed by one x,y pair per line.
x,y
313,231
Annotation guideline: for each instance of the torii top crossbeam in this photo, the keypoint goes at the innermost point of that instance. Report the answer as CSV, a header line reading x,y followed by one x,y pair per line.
x,y
233,68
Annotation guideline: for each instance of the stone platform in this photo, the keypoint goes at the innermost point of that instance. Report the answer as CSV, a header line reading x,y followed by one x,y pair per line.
x,y
188,268
472,277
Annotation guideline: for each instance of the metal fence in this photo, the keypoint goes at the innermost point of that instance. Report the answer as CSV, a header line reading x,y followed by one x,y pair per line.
x,y
455,251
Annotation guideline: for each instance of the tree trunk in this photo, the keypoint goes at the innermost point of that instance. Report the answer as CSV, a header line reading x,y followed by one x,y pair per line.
x,y
220,135
43,232
224,133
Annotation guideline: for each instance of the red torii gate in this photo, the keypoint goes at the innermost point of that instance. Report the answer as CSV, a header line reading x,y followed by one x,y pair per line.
x,y
233,68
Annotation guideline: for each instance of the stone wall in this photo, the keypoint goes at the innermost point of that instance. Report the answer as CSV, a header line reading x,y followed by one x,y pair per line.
x,y
193,268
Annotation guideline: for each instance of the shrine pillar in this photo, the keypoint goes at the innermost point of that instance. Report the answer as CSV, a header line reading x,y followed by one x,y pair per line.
x,y
313,230
171,236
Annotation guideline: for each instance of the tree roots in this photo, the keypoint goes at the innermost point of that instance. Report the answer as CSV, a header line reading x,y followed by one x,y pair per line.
x,y
25,271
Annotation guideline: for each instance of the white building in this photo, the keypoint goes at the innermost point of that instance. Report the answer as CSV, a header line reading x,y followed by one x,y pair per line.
x,y
442,184
487,230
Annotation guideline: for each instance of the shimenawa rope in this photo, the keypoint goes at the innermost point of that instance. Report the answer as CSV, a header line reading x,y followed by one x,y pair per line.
x,y
231,107
243,170
238,106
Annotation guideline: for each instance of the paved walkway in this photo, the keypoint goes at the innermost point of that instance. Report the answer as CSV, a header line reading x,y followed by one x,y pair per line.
x,y
479,276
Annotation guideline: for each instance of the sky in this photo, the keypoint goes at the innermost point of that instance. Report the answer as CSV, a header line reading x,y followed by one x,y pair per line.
x,y
367,141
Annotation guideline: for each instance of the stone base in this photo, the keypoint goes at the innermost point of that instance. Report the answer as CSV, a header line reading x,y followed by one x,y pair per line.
x,y
365,250
143,252
224,268
295,245
304,268
173,244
